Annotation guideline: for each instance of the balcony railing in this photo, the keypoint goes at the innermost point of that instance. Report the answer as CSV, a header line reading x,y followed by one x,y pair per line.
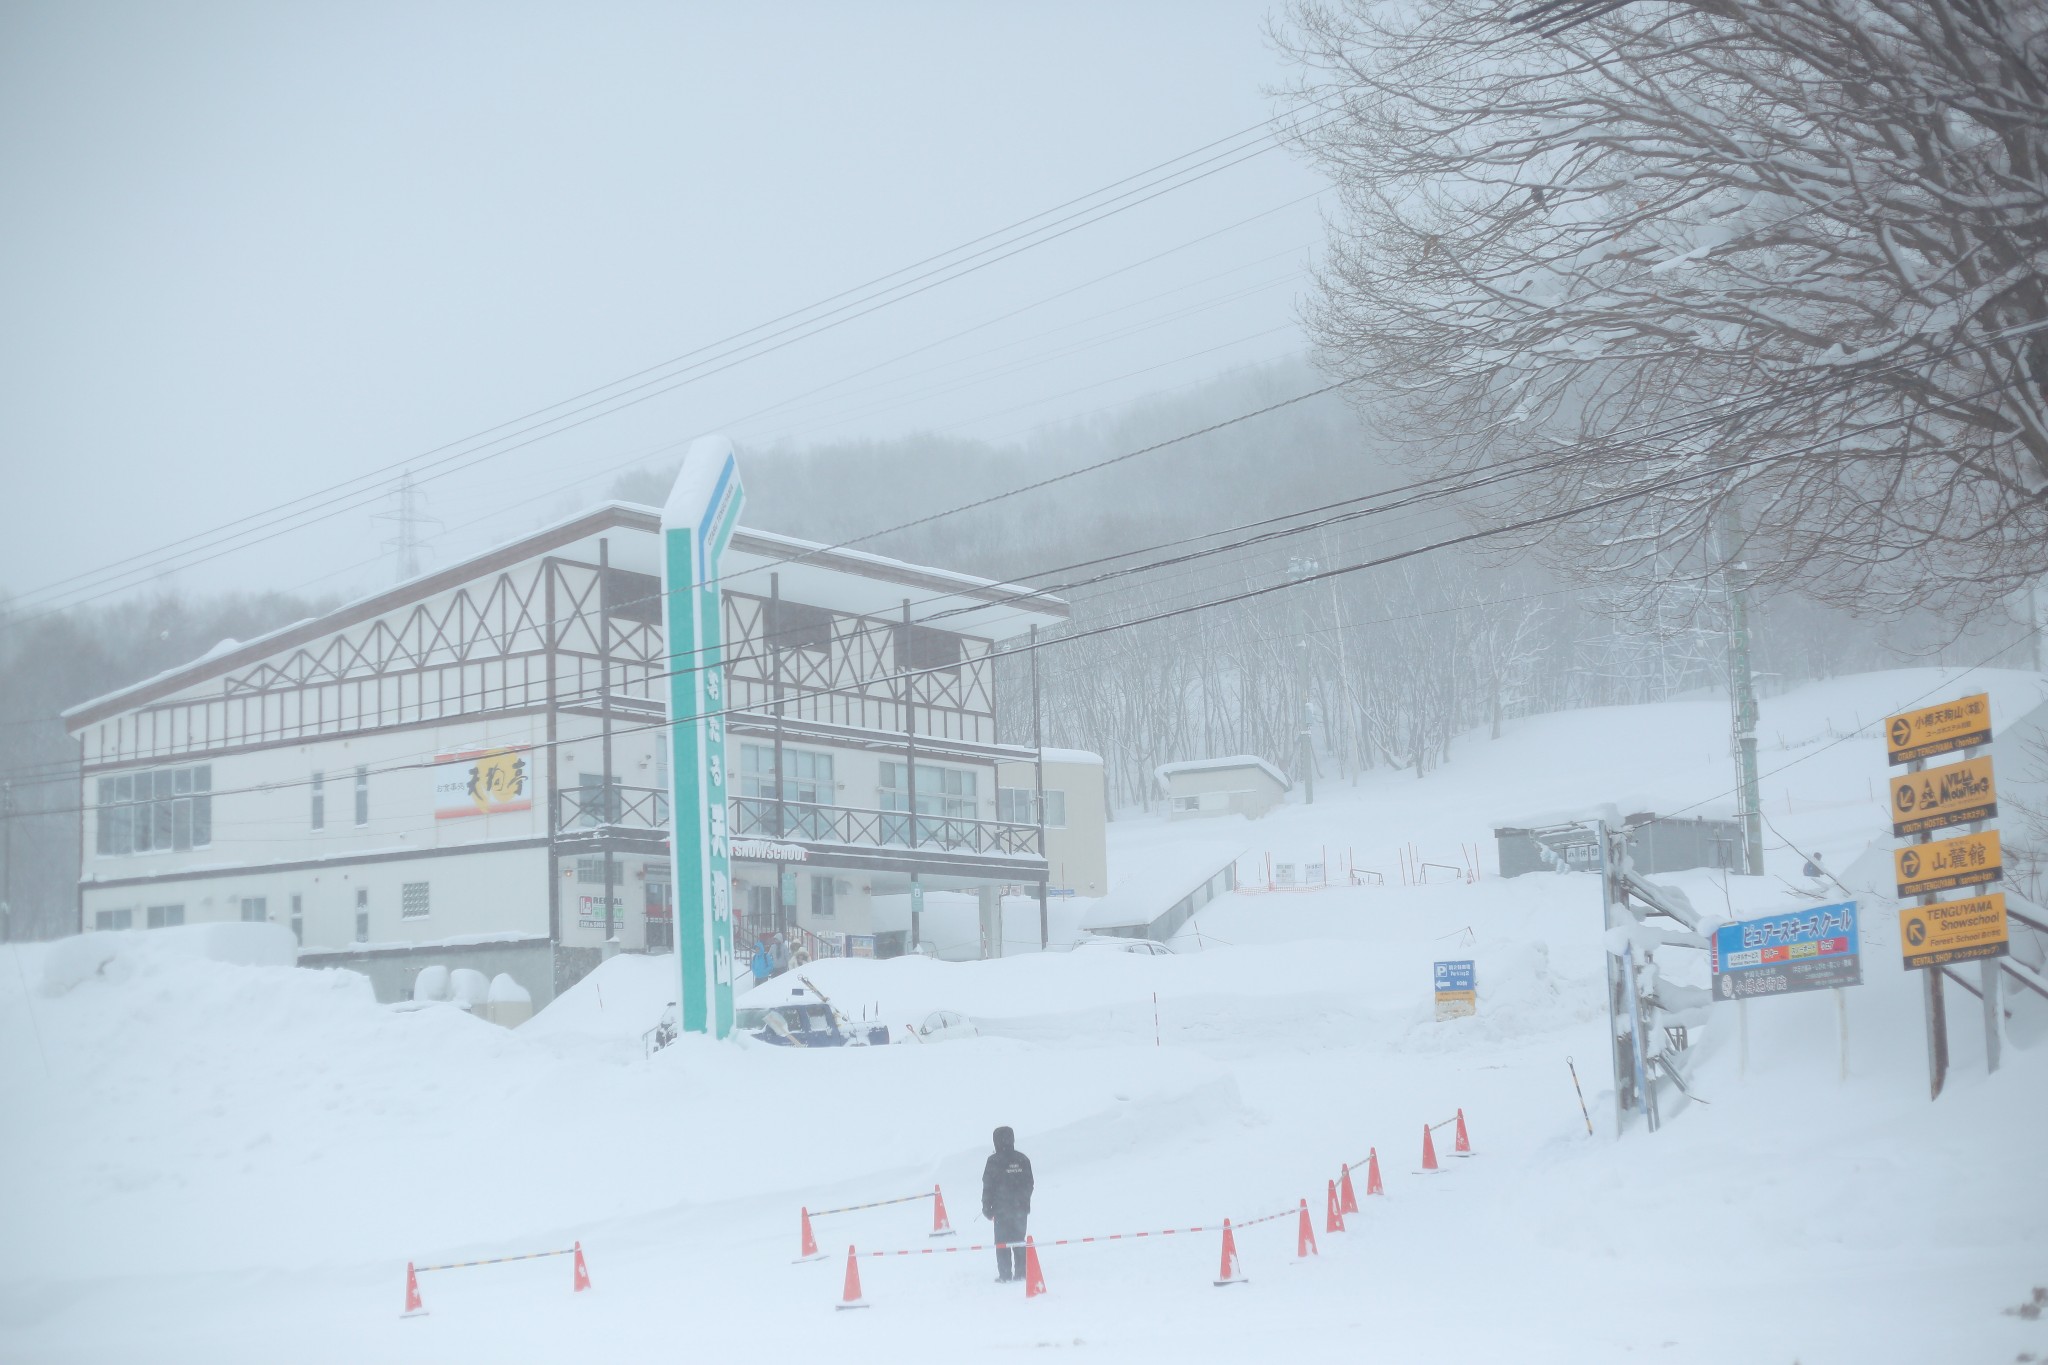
x,y
634,807
760,817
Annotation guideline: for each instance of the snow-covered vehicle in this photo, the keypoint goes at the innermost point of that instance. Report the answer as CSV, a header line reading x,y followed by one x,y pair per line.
x,y
943,1025
1109,943
800,1016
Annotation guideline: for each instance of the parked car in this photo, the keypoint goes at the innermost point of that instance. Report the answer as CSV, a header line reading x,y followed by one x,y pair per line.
x,y
1109,943
944,1025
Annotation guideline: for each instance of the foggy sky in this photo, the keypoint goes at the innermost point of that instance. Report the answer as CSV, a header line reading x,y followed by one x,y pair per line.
x,y
250,251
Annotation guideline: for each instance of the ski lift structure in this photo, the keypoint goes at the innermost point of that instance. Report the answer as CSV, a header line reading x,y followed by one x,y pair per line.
x,y
1649,1014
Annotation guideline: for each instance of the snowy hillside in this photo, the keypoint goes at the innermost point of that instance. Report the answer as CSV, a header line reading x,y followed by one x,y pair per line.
x,y
223,1160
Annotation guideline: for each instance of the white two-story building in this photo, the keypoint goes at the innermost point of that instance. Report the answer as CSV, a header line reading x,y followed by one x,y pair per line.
x,y
470,769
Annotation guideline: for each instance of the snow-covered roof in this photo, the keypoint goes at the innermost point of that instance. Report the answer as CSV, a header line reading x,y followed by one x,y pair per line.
x,y
1146,882
809,571
1204,765
1080,756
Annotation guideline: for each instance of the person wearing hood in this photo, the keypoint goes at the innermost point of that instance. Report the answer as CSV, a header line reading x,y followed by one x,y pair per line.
x,y
1006,1202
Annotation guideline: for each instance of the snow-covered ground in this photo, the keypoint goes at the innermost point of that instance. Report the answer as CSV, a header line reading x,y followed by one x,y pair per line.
x,y
215,1160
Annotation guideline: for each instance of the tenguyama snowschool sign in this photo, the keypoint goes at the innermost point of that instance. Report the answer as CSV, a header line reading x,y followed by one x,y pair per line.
x,y
696,525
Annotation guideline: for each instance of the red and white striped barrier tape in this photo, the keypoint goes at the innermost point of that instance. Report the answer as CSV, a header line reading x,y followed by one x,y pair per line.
x,y
1083,1241
879,1203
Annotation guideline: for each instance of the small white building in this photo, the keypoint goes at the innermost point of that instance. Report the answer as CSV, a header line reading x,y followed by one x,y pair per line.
x,y
1076,815
1238,785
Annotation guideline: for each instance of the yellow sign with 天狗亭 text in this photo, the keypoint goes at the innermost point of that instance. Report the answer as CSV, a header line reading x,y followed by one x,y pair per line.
x,y
481,782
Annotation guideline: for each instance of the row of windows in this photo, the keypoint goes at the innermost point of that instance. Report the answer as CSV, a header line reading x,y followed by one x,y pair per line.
x,y
1014,805
159,917
414,902
362,798
155,811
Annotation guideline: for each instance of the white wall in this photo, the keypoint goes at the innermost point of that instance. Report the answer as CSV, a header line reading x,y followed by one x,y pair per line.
x,y
469,893
1076,853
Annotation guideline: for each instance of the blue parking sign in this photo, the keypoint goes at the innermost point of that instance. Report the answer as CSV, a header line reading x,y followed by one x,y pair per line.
x,y
1457,992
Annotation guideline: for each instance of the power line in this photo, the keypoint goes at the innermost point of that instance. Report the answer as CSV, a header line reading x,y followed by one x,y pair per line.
x,y
719,356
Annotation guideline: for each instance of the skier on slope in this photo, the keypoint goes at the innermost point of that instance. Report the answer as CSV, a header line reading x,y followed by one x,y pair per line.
x,y
1006,1201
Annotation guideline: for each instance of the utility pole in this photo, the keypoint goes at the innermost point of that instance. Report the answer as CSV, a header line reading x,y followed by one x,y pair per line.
x,y
1305,755
1741,683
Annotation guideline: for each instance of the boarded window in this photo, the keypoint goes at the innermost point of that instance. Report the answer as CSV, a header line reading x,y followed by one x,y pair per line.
x,y
919,647
795,625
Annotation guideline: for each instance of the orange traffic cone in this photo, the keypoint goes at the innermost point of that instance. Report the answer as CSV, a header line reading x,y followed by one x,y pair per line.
x,y
940,1227
1372,1174
1429,1166
1333,1216
1347,1198
582,1272
1034,1279
413,1307
809,1250
851,1298
1463,1145
1305,1241
1229,1274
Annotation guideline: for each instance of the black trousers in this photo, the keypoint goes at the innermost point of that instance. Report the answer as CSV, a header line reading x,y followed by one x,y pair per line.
x,y
1010,1258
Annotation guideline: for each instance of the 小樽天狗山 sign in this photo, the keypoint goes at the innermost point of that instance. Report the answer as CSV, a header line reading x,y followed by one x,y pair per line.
x,y
1960,724
1945,864
1808,949
1936,798
1953,931
696,525
481,782
1457,991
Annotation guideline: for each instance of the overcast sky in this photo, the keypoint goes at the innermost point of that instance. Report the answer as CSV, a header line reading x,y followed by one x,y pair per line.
x,y
249,252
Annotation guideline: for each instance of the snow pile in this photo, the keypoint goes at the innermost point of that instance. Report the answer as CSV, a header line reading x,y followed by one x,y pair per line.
x,y
228,1157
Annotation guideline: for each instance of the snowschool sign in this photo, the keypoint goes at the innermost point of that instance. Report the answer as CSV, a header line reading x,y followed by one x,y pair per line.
x,y
1457,993
696,525
1803,950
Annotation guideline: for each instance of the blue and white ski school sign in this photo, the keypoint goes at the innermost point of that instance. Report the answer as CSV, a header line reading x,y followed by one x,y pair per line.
x,y
1808,949
1457,991
696,525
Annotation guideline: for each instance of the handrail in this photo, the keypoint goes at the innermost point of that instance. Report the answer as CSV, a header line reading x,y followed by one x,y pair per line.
x,y
764,817
635,807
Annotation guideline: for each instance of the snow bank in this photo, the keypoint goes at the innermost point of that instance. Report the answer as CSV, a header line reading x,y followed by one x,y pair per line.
x,y
119,954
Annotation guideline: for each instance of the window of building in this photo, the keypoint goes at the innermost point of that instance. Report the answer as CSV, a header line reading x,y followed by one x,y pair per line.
x,y
822,904
155,811
806,776
591,807
921,647
412,900
796,625
1015,806
590,872
255,910
948,792
299,919
166,916
319,800
1187,803
362,914
113,919
362,796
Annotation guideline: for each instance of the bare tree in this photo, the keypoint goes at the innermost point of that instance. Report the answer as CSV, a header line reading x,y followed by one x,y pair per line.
x,y
1789,252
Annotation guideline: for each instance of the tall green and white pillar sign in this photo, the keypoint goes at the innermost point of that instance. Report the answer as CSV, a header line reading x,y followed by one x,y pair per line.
x,y
696,525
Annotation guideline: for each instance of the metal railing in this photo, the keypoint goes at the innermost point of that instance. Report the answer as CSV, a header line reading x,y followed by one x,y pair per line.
x,y
635,807
760,817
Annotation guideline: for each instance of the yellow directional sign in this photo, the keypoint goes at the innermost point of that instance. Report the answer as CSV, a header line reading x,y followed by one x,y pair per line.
x,y
1959,724
1945,864
1954,794
1953,931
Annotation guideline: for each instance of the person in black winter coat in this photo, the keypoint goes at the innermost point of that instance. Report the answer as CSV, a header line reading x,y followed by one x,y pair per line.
x,y
1006,1201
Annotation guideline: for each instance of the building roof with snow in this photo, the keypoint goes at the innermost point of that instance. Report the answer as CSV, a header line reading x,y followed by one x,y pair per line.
x,y
1165,772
